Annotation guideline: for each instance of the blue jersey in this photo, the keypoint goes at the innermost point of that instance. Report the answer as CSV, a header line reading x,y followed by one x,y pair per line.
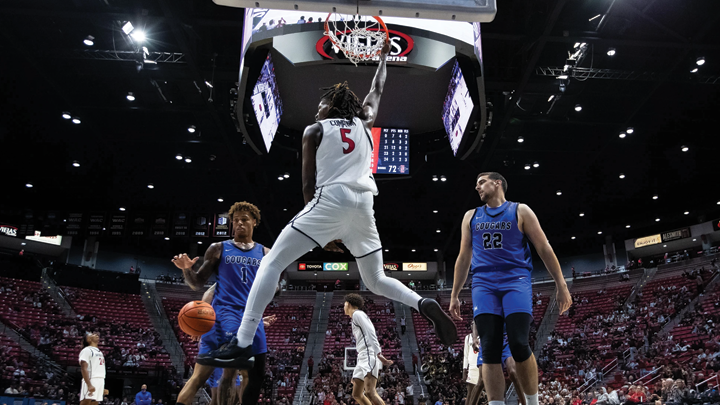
x,y
236,274
497,242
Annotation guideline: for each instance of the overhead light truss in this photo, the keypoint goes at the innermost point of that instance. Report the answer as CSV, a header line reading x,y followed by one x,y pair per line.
x,y
130,56
583,73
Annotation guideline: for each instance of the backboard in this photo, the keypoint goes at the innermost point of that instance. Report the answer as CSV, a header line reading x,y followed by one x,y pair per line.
x,y
457,10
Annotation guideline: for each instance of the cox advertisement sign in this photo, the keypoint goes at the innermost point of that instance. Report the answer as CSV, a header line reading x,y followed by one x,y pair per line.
x,y
336,267
400,46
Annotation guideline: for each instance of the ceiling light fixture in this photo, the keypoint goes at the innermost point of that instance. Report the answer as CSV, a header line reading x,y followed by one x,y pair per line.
x,y
521,139
684,148
166,238
435,250
199,242
536,165
192,129
657,219
582,214
655,197
138,36
578,107
28,185
151,186
694,70
434,177
128,28
593,18
700,61
89,40
622,135
286,175
551,98
281,178
622,176
220,199
188,159
527,167
558,192
130,96
66,115
686,212
611,51
75,163
76,120
387,250
572,237
435,211
562,77
178,156
599,232
122,208
443,178
437,231
412,250
627,226
630,130
207,83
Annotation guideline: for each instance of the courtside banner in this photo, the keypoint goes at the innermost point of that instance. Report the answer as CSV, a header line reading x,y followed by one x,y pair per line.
x,y
392,266
676,234
8,230
310,266
414,266
648,241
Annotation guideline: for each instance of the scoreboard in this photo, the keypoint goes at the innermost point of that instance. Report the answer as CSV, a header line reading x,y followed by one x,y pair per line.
x,y
391,151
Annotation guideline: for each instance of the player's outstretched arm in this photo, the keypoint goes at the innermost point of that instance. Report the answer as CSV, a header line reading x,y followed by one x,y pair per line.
x,y
462,265
530,226
372,100
310,142
197,279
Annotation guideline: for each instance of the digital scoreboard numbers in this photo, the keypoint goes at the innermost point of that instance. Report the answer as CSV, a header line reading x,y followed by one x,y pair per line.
x,y
391,151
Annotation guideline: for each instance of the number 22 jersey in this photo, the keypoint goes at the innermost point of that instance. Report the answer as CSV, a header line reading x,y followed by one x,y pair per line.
x,y
497,242
344,155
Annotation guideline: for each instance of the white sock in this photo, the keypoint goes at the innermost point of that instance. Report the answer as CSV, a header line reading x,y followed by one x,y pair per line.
x,y
373,275
497,403
532,399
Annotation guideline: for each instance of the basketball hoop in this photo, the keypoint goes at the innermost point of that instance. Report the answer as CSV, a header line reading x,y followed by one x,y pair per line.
x,y
359,38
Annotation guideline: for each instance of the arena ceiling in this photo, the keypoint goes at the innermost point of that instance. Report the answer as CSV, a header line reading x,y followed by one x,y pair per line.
x,y
123,146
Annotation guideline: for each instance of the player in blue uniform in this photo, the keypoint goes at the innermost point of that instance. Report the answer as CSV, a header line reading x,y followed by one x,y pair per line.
x,y
235,263
495,247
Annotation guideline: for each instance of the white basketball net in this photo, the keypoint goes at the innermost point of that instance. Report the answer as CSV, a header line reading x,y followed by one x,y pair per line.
x,y
359,39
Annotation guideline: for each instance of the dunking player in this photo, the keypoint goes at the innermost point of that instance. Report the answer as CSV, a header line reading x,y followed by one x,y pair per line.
x,y
338,187
494,243
370,359
235,263
92,367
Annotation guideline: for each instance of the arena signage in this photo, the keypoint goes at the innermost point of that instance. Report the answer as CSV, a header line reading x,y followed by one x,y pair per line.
x,y
335,266
8,230
648,240
52,240
716,225
309,266
391,266
414,266
400,46
674,235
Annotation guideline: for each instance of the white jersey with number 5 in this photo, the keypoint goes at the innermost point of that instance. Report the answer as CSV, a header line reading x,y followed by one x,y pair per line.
x,y
95,360
344,155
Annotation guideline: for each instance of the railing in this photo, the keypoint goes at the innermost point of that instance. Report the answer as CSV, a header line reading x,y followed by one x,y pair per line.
x,y
639,380
204,396
610,367
717,383
626,354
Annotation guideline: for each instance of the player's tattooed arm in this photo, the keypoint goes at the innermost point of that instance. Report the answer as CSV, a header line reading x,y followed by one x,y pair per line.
x,y
197,279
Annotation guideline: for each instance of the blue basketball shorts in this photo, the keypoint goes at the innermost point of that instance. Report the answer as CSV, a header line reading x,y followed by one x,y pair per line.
x,y
502,292
505,354
227,322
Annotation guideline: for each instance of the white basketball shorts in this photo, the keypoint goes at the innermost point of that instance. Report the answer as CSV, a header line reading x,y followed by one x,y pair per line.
x,y
365,366
97,395
340,212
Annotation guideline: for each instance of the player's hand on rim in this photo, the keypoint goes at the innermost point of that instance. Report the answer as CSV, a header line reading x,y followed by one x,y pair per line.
x,y
385,49
455,309
183,261
333,247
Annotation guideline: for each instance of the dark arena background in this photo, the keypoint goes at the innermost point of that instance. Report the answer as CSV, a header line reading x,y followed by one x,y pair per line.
x,y
129,128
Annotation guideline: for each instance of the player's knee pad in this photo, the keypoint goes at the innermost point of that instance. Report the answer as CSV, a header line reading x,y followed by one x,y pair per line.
x,y
490,331
518,331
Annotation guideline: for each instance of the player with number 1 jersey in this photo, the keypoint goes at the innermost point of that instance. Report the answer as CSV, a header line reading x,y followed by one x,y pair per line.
x,y
338,188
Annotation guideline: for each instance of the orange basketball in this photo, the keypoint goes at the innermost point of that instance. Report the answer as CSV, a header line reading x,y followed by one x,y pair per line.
x,y
196,318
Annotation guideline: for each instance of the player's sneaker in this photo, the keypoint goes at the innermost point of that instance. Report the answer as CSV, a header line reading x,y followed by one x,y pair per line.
x,y
229,356
445,328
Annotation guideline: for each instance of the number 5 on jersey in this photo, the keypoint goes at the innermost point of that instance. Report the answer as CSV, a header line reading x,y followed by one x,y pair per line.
x,y
351,144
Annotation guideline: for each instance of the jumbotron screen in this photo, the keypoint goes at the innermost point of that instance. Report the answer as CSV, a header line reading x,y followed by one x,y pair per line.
x,y
391,151
457,108
266,102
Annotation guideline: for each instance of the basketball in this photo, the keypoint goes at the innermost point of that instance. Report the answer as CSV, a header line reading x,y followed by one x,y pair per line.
x,y
196,318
